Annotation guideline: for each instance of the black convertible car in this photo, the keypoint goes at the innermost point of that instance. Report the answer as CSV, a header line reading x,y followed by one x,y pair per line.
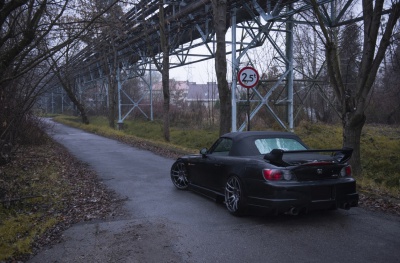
x,y
273,171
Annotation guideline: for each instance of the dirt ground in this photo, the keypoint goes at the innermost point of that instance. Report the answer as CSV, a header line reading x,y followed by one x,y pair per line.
x,y
113,241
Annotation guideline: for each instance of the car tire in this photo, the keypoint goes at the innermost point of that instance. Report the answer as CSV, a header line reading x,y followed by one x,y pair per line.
x,y
179,175
235,200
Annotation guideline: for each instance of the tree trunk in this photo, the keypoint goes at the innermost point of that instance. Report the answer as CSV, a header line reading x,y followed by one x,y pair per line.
x,y
164,71
353,124
71,95
78,104
165,81
111,103
219,15
110,68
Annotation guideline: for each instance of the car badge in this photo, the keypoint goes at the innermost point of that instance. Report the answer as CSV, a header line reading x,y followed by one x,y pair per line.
x,y
319,171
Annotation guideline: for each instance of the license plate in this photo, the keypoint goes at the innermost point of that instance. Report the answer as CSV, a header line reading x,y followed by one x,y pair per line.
x,y
322,193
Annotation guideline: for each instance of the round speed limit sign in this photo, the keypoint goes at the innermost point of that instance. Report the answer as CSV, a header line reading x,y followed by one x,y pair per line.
x,y
248,77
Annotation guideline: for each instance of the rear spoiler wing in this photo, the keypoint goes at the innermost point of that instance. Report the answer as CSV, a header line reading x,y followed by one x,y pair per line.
x,y
340,155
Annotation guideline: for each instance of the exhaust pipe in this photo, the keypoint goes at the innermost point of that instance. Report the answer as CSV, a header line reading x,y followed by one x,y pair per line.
x,y
345,206
293,211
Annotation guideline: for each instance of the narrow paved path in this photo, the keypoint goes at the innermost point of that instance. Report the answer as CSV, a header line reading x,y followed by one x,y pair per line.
x,y
167,225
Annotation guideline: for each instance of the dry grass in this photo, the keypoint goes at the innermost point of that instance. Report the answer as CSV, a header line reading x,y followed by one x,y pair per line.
x,y
43,191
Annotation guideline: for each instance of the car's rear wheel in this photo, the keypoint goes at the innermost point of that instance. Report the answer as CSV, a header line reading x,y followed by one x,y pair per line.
x,y
179,175
234,196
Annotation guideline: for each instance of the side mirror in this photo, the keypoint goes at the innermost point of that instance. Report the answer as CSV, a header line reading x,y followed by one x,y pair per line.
x,y
203,152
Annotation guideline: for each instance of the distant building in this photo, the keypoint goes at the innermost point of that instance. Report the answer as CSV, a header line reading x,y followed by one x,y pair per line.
x,y
207,94
178,92
188,92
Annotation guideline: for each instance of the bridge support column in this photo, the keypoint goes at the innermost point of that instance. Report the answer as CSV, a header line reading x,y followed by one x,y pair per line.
x,y
234,71
289,68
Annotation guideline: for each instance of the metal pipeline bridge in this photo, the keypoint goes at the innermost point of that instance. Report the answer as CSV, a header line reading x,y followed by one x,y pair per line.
x,y
251,24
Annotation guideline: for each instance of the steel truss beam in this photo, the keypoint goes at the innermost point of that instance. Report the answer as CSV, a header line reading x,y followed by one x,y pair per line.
x,y
286,61
190,27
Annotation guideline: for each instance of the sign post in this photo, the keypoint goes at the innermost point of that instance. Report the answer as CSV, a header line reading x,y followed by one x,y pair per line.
x,y
248,78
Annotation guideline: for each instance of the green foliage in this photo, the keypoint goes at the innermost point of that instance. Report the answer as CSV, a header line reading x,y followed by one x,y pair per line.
x,y
98,125
145,129
19,232
380,155
320,136
43,190
193,139
27,197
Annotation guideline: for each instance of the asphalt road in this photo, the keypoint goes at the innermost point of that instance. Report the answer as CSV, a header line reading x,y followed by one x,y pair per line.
x,y
164,224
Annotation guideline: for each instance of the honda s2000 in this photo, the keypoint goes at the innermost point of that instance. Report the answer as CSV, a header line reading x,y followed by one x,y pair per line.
x,y
270,171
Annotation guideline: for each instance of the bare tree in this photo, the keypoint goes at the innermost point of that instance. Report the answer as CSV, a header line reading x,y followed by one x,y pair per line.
x,y
31,32
20,21
219,8
66,79
17,123
103,38
384,106
25,26
353,102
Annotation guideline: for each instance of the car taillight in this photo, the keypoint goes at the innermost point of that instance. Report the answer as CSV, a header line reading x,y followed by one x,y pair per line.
x,y
272,174
346,171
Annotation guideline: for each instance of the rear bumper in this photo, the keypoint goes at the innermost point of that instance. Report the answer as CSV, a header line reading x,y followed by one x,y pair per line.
x,y
294,197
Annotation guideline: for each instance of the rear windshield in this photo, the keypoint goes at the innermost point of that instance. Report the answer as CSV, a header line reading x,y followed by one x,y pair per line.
x,y
267,145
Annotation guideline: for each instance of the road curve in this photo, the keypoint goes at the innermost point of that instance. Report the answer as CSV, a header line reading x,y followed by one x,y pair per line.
x,y
164,224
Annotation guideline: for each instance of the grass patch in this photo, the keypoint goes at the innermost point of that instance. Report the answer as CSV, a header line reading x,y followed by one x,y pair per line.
x,y
26,198
380,145
320,136
193,139
42,191
380,156
19,232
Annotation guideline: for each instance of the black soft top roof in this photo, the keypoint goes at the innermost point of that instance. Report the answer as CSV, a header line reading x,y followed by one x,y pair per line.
x,y
266,134
243,142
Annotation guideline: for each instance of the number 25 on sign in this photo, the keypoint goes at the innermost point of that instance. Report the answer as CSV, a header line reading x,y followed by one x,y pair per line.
x,y
248,77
